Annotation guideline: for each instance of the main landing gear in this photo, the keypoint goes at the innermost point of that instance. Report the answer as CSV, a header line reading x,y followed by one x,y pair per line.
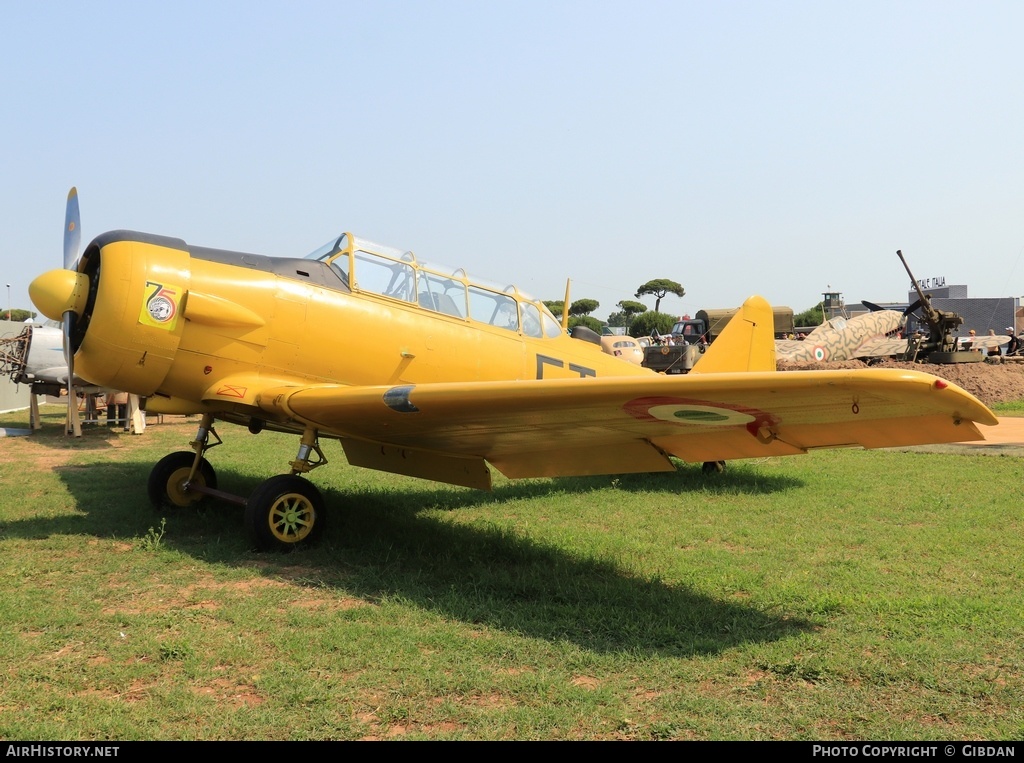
x,y
283,513
713,467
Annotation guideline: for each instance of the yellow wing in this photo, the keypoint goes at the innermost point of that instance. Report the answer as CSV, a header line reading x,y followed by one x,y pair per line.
x,y
558,427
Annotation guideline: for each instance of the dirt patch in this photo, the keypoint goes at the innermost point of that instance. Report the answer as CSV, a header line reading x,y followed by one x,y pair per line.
x,y
1001,382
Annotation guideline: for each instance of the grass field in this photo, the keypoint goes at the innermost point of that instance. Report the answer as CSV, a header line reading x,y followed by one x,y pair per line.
x,y
835,596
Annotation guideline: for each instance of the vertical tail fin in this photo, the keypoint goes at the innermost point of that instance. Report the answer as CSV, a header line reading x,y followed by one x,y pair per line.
x,y
747,343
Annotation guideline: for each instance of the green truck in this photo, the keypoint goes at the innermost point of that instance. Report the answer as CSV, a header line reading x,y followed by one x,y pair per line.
x,y
676,353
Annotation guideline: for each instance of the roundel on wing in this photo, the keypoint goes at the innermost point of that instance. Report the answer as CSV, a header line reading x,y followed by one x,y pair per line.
x,y
678,410
820,353
709,415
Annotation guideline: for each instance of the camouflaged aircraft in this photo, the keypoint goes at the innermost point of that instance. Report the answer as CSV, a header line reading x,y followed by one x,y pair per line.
x,y
862,336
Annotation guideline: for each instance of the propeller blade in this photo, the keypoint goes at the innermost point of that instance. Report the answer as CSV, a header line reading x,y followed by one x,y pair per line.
x,y
73,426
69,356
912,307
871,306
72,240
72,231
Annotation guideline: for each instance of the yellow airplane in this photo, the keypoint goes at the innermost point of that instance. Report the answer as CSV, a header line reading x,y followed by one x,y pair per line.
x,y
424,371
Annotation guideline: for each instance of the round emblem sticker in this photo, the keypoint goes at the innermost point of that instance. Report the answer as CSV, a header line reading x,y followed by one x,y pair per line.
x,y
161,309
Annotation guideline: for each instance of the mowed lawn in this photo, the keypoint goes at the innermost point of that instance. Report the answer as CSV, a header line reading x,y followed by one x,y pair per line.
x,y
839,595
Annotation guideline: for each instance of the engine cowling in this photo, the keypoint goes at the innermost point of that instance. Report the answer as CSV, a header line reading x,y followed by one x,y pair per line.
x,y
128,296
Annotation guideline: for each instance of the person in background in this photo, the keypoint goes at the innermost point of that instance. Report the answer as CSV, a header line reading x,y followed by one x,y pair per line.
x,y
993,351
1013,346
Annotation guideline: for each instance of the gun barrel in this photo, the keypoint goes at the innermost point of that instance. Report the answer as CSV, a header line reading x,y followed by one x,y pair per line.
x,y
917,286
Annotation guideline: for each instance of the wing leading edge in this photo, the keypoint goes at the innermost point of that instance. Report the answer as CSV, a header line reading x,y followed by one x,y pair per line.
x,y
560,427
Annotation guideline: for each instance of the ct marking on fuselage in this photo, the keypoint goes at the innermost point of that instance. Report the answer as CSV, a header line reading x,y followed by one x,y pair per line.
x,y
544,360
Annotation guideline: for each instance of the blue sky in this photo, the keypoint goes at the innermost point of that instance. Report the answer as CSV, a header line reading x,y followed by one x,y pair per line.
x,y
780,148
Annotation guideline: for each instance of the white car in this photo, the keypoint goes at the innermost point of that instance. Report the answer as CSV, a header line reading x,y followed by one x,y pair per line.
x,y
625,347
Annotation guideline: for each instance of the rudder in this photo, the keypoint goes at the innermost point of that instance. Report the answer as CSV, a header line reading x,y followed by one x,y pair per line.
x,y
747,343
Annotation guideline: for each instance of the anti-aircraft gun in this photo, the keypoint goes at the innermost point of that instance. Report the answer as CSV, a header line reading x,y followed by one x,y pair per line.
x,y
940,346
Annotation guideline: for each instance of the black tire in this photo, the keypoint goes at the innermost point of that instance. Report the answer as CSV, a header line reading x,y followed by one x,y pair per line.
x,y
713,467
167,480
284,513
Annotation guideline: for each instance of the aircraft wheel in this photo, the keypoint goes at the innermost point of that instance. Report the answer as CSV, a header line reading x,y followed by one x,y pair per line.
x,y
284,512
713,467
166,485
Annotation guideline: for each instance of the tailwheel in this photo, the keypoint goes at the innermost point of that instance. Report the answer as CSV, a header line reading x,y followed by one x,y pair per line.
x,y
168,480
713,467
284,512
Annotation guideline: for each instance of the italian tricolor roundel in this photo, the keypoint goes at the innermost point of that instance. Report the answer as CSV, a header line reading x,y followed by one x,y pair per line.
x,y
695,412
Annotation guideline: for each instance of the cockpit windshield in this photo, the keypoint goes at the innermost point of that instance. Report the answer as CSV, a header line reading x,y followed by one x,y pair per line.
x,y
374,268
333,246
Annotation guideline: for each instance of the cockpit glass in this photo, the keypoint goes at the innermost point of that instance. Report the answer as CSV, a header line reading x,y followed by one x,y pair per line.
x,y
398,274
531,319
442,294
552,328
382,275
496,309
331,247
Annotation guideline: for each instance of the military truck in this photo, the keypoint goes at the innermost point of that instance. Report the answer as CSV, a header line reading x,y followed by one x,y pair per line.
x,y
676,353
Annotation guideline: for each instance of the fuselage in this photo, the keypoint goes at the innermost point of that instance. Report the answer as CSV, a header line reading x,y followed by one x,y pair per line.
x,y
194,329
840,338
45,357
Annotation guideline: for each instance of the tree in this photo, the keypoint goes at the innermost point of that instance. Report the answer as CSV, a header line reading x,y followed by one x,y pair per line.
x,y
583,307
627,310
813,316
17,315
580,308
631,308
647,322
659,288
555,306
589,321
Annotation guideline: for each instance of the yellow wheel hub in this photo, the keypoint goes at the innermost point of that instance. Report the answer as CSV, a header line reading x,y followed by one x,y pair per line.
x,y
291,518
176,488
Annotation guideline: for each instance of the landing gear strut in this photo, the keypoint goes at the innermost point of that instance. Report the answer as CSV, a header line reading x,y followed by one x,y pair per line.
x,y
287,511
283,513
184,478
171,483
